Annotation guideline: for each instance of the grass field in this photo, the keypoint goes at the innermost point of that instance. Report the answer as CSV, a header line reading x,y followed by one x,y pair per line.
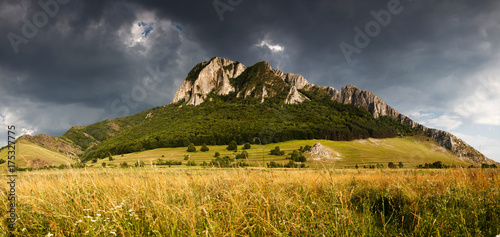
x,y
255,202
412,151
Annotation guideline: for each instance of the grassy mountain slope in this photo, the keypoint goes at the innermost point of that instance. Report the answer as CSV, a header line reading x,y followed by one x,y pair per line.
x,y
412,151
29,154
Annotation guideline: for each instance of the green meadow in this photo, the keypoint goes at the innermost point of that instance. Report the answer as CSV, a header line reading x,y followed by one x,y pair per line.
x,y
411,151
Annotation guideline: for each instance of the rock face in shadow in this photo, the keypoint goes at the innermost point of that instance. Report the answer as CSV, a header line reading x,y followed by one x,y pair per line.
x,y
215,77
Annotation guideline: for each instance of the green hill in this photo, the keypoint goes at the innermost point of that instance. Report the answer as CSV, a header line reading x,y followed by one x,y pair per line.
x,y
29,154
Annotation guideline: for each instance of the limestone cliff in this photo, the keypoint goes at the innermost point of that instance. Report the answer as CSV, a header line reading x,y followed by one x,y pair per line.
x,y
207,77
223,76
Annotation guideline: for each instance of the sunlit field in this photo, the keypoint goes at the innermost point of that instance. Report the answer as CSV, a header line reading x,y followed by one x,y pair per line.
x,y
255,202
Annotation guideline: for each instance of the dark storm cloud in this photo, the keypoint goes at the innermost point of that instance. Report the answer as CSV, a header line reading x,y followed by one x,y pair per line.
x,y
76,65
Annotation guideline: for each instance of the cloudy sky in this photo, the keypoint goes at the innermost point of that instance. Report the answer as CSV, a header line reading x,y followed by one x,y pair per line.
x,y
75,62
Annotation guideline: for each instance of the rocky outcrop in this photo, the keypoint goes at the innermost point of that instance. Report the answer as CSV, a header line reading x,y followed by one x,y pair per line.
x,y
295,97
207,77
296,80
214,76
320,152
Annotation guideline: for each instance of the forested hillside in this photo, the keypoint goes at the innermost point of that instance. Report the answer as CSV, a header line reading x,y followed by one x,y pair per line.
x,y
227,118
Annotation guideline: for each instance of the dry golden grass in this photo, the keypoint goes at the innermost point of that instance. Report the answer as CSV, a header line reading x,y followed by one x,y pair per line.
x,y
255,202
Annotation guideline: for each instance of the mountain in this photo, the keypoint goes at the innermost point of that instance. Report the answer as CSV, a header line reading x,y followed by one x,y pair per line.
x,y
222,100
297,87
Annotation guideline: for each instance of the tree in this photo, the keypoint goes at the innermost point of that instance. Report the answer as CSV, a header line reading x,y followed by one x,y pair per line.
x,y
217,154
110,158
103,164
191,163
191,148
233,146
204,147
247,146
124,165
277,151
186,157
357,167
400,165
243,155
391,165
297,156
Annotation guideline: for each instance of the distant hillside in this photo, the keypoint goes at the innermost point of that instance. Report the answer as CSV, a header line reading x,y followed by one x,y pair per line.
x,y
34,154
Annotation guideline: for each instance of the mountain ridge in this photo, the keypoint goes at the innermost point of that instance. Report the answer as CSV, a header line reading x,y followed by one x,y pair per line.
x,y
349,94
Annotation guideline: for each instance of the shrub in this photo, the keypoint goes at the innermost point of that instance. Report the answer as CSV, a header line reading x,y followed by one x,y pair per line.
x,y
103,164
297,156
204,148
222,162
233,146
247,146
277,151
217,154
2,161
191,163
186,157
110,158
124,165
304,149
243,155
391,165
191,148
273,164
400,165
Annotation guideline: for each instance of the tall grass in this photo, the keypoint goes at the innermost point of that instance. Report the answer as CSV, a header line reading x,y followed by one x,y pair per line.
x,y
245,202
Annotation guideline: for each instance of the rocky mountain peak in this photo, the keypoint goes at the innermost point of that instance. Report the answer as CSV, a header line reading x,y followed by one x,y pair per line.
x,y
207,77
223,76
